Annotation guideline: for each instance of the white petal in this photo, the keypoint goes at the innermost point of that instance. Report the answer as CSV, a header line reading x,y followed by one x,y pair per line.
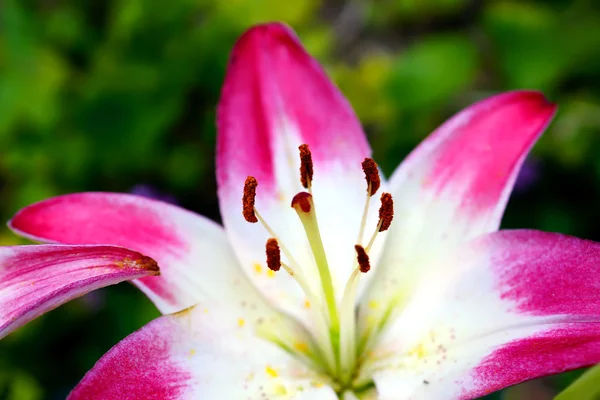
x,y
263,117
454,187
196,260
510,306
202,353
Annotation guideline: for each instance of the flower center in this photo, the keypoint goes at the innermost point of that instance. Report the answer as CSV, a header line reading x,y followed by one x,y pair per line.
x,y
334,324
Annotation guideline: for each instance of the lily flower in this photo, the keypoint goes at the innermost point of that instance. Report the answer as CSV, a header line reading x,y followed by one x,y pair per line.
x,y
35,279
328,281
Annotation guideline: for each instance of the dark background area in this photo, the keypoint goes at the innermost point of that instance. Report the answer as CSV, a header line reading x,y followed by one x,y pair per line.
x,y
120,95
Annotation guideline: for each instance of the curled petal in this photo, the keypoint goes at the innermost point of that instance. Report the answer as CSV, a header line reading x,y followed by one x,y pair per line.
x,y
193,252
36,279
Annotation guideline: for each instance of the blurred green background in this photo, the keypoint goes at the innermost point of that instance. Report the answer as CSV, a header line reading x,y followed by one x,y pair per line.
x,y
120,95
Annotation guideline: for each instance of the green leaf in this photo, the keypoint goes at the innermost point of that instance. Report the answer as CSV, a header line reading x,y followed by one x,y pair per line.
x,y
587,387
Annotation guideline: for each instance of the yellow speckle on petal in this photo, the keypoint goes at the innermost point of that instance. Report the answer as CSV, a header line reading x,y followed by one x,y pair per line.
x,y
306,304
373,304
280,390
271,372
432,336
258,268
317,384
241,322
418,351
301,347
192,352
282,197
271,274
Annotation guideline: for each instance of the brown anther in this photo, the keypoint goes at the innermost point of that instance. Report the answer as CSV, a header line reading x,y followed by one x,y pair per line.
x,y
302,202
273,255
147,263
363,259
371,175
306,165
386,211
249,199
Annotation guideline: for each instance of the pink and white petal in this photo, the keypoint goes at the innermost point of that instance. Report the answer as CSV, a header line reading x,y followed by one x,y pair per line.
x,y
455,185
508,307
37,279
275,98
480,371
201,353
196,260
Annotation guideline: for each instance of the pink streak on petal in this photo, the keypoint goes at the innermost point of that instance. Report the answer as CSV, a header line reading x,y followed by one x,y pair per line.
x,y
139,367
476,155
272,80
567,347
493,136
558,279
37,279
105,218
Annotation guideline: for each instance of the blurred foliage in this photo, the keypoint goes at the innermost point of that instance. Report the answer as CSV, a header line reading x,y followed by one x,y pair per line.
x,y
587,387
109,94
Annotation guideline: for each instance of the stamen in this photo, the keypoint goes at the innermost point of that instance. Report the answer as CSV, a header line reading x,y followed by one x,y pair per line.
x,y
306,166
386,215
273,255
363,220
386,212
249,199
305,208
348,315
274,247
371,175
363,259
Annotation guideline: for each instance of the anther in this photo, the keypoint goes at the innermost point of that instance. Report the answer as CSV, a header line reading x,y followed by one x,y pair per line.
x,y
302,202
386,212
273,255
306,166
371,175
249,199
363,259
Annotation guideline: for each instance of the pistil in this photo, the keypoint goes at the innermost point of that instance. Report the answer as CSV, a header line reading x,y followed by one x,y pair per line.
x,y
305,208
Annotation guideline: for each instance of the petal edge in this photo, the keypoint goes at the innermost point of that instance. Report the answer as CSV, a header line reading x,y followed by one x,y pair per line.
x,y
38,278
